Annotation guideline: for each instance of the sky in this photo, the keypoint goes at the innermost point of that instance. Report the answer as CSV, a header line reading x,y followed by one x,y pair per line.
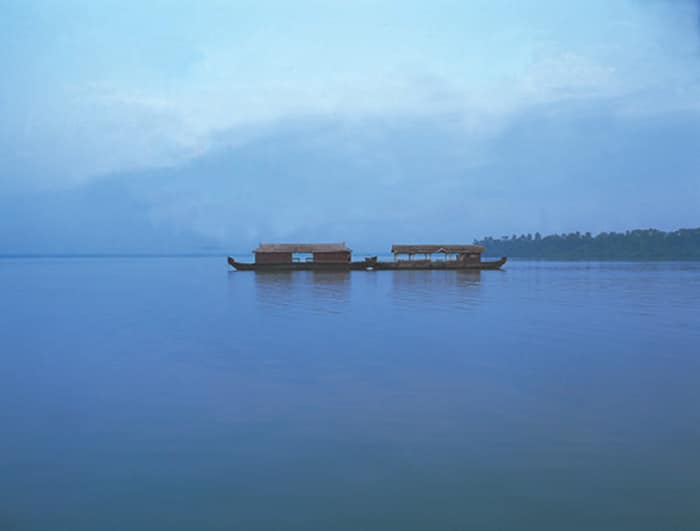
x,y
173,126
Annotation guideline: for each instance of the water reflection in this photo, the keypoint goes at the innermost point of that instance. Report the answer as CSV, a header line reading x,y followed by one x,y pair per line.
x,y
438,289
312,290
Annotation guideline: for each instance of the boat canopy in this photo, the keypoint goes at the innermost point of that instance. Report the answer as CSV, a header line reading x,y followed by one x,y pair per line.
x,y
315,248
436,248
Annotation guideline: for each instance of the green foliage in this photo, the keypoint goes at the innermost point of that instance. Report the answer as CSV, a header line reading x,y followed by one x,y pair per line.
x,y
651,244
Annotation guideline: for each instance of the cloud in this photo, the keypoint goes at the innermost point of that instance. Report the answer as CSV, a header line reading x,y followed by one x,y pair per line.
x,y
688,9
96,89
573,166
280,123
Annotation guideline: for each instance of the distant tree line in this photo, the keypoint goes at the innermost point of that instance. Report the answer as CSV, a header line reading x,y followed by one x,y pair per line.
x,y
650,244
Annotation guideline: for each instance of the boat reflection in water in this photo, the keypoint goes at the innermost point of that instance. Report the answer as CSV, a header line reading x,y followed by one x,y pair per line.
x,y
436,289
292,288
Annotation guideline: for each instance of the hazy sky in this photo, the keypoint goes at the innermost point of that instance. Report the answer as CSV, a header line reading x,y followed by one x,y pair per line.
x,y
170,125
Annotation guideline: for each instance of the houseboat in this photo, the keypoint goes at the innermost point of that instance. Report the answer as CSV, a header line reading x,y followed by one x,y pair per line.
x,y
337,256
314,257
435,256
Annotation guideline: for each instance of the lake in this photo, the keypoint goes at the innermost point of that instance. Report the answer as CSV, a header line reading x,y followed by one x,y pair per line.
x,y
174,394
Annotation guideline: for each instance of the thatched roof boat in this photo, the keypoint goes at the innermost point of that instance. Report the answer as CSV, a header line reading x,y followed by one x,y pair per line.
x,y
337,256
318,256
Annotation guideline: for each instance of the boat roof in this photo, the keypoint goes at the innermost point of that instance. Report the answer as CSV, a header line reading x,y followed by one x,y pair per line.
x,y
302,248
436,248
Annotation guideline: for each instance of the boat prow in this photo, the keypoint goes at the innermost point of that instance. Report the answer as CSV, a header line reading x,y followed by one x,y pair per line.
x,y
239,266
496,264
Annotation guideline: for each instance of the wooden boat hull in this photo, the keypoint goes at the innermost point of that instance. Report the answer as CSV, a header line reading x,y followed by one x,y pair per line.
x,y
428,265
370,264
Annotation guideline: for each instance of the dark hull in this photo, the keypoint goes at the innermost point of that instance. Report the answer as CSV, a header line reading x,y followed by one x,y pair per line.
x,y
369,264
303,266
433,265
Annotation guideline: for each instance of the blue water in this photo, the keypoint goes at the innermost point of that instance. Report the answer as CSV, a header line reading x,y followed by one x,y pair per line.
x,y
172,394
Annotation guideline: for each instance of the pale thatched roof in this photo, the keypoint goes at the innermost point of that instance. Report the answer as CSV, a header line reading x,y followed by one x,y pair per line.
x,y
436,248
302,248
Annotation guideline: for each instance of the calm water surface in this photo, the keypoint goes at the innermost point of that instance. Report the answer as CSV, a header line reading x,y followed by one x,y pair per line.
x,y
172,394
